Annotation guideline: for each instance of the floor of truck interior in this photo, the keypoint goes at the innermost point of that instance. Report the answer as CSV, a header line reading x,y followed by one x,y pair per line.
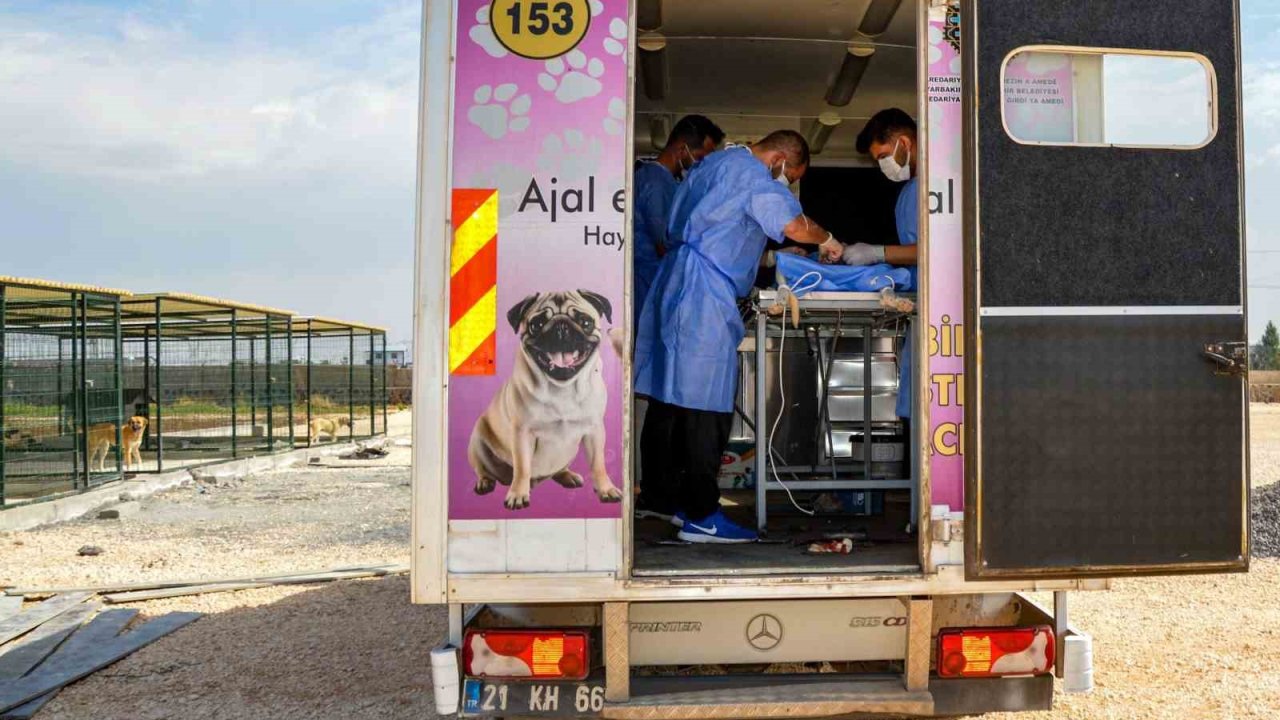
x,y
881,547
770,559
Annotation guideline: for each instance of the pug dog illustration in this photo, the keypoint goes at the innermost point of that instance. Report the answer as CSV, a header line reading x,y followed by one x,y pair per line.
x,y
553,402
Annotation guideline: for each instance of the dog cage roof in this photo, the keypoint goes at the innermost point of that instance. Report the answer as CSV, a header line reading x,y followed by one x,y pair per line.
x,y
44,306
329,326
49,307
52,286
174,314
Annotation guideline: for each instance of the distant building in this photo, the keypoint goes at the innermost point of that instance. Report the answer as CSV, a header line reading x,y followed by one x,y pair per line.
x,y
395,358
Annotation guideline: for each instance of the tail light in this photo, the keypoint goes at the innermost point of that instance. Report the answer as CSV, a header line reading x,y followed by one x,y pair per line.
x,y
995,652
532,655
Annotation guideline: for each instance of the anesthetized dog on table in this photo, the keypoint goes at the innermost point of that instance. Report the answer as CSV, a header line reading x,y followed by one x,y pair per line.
x,y
553,402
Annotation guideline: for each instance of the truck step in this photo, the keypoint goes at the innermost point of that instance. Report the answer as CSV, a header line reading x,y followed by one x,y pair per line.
x,y
768,696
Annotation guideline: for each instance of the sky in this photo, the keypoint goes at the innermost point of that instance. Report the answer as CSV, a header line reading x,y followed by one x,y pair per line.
x,y
1260,28
256,150
264,150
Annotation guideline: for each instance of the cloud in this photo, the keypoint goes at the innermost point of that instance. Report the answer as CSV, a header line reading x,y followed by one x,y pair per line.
x,y
1157,101
1262,94
123,98
259,151
1262,114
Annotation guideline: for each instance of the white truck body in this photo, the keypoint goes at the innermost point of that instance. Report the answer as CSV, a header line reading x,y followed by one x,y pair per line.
x,y
1080,414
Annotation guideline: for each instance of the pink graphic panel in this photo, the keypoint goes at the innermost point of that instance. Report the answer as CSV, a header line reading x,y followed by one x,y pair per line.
x,y
946,262
549,136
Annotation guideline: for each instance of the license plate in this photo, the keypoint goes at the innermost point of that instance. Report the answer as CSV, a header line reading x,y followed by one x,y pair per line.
x,y
493,698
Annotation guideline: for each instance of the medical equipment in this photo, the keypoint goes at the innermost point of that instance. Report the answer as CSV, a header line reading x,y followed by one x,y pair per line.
x,y
789,297
823,393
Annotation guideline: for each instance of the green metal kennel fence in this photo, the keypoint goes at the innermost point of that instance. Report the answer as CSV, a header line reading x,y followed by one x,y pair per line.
x,y
211,377
60,389
343,384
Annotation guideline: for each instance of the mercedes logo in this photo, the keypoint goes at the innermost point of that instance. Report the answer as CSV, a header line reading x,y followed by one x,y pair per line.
x,y
764,632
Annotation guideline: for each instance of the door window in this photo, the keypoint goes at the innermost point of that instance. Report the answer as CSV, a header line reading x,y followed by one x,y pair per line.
x,y
1069,96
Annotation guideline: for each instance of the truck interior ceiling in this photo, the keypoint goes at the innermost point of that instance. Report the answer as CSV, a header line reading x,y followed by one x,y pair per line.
x,y
822,68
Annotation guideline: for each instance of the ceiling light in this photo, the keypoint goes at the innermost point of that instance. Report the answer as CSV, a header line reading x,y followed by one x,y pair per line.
x,y
659,131
851,71
653,65
821,129
649,14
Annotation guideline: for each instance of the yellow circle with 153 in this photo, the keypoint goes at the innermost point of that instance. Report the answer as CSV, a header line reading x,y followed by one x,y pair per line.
x,y
540,29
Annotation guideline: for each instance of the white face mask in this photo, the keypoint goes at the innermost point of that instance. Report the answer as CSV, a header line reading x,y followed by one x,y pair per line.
x,y
782,176
890,167
692,161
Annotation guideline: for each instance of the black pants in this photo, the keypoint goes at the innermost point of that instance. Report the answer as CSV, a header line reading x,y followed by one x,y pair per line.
x,y
680,455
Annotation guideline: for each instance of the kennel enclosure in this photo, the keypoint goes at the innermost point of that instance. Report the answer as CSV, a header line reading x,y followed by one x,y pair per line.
x,y
343,376
60,373
211,377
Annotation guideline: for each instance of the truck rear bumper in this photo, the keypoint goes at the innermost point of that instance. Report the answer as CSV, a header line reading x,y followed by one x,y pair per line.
x,y
769,696
976,696
796,696
762,696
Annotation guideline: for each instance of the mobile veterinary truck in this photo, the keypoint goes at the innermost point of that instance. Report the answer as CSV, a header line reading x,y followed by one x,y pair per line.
x,y
1078,399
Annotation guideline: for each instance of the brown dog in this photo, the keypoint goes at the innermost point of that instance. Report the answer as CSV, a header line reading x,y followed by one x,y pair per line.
x,y
328,426
103,435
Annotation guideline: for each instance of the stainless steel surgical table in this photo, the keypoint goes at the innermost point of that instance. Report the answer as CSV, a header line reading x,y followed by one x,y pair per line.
x,y
827,318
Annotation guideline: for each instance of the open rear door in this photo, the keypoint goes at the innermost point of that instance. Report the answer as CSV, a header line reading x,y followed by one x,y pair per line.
x,y
1106,430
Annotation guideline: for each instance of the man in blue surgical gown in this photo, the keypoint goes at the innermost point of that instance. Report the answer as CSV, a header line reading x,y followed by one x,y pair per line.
x,y
692,139
890,139
687,342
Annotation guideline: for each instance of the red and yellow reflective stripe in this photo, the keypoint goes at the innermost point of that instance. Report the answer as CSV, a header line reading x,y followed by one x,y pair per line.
x,y
473,283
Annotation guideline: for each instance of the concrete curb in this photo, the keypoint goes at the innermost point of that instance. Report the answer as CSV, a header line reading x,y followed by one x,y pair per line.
x,y
26,517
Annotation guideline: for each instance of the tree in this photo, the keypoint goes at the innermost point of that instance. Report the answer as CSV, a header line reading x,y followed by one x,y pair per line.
x,y
1267,352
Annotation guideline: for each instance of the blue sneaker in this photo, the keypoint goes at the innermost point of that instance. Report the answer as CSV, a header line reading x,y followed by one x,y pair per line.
x,y
715,528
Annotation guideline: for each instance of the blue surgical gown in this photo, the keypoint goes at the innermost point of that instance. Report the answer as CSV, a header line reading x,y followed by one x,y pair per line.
x,y
690,329
655,188
906,215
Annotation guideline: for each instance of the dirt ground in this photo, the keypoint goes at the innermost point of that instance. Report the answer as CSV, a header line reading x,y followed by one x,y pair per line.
x,y
1164,648
309,517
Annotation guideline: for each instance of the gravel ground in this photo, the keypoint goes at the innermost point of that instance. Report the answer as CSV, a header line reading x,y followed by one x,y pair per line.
x,y
313,517
1203,647
354,649
1266,522
1265,434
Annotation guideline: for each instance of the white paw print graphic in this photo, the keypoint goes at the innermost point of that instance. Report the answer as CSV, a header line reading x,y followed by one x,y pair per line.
x,y
498,111
578,79
616,43
570,156
482,35
597,7
510,180
614,124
